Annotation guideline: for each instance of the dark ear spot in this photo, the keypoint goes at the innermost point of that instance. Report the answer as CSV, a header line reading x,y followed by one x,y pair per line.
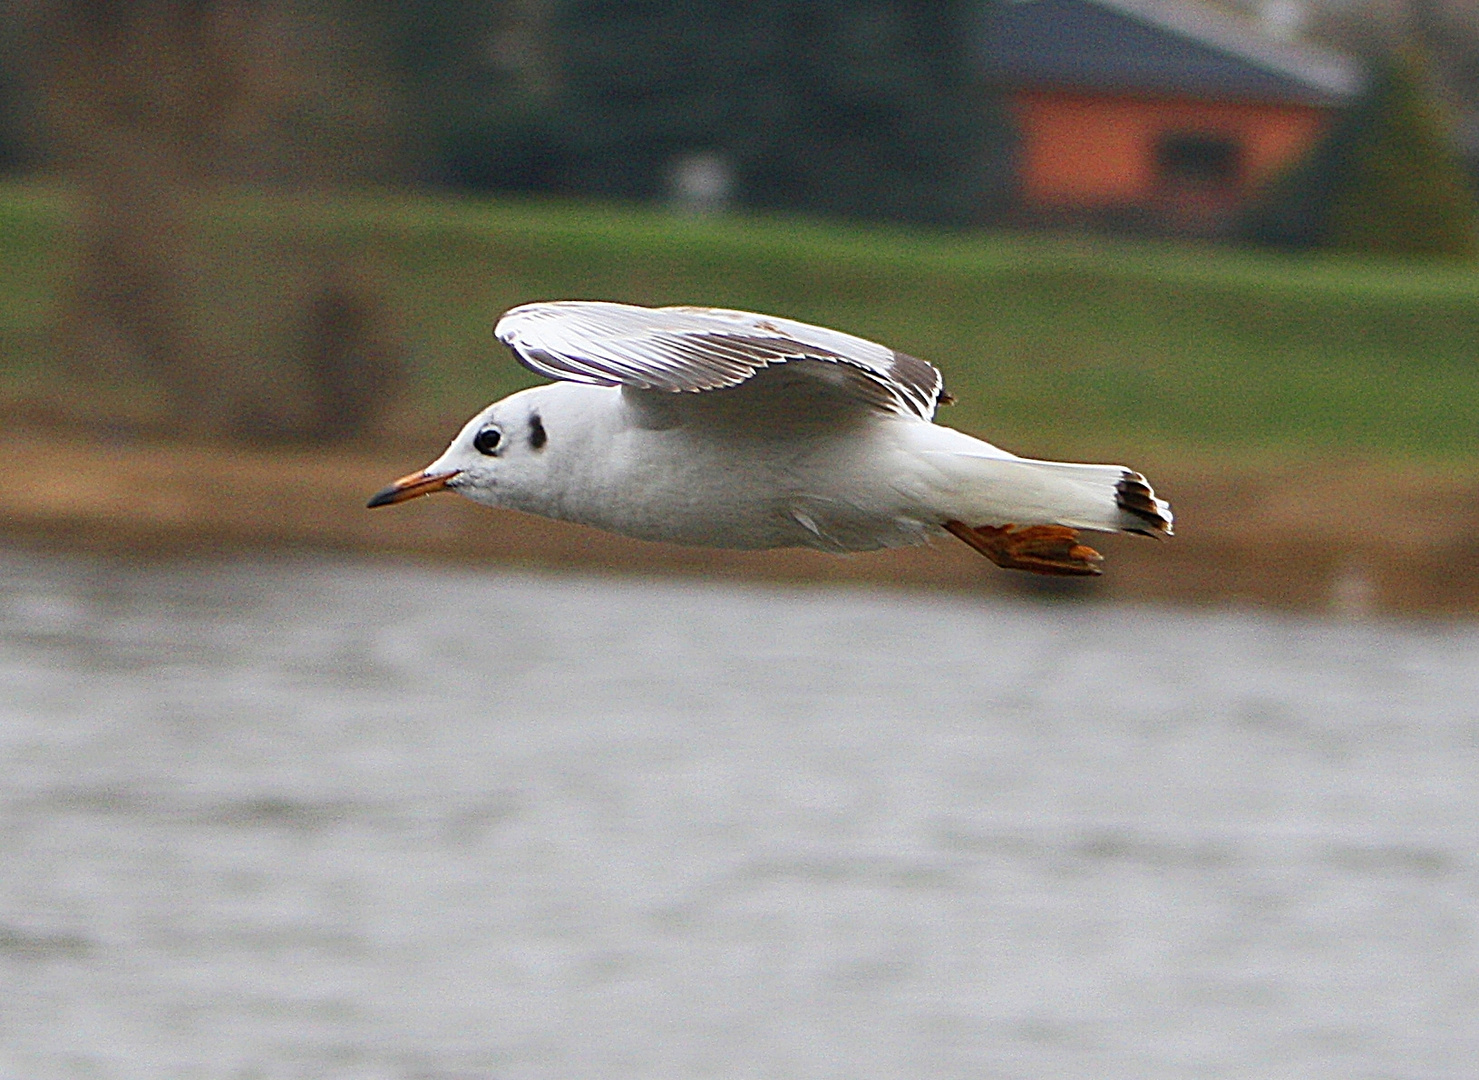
x,y
537,435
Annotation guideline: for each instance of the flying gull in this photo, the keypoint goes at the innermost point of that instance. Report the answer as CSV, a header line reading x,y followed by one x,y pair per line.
x,y
729,429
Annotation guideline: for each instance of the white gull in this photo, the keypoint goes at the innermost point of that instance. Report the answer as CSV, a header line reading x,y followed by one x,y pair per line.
x,y
720,428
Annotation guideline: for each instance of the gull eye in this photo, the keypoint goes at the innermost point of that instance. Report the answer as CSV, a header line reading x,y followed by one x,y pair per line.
x,y
487,440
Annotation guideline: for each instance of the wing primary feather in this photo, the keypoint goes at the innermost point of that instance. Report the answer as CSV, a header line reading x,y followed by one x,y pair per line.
x,y
692,349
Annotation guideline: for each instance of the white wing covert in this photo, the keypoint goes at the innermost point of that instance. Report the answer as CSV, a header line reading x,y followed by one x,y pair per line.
x,y
696,349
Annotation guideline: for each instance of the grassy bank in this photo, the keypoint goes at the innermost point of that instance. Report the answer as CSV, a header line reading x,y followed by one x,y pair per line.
x,y
1052,345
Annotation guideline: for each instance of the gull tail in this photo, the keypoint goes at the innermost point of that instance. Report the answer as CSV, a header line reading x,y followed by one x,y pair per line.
x,y
1025,515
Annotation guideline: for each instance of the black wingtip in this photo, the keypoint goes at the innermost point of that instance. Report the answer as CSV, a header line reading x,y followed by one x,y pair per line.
x,y
1134,496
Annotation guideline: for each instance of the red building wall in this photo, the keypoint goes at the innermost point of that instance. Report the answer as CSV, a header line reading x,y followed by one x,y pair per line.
x,y
1091,152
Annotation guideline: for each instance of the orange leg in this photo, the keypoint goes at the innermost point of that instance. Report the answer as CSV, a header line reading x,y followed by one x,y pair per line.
x,y
1042,549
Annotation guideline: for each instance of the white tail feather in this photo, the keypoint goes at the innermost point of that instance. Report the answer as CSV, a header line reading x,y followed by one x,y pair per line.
x,y
1002,490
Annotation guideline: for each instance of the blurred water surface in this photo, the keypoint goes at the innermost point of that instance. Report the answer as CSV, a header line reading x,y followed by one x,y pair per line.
x,y
297,818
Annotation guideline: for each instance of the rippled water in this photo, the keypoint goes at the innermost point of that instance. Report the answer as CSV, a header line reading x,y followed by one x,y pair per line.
x,y
338,819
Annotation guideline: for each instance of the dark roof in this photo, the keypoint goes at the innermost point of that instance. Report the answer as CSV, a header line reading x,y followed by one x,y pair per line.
x,y
1165,46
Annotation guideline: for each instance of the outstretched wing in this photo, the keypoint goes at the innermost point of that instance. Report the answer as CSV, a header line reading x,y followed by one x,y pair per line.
x,y
696,349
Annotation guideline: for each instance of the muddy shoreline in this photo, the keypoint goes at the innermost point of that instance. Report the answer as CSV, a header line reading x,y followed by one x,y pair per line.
x,y
1332,536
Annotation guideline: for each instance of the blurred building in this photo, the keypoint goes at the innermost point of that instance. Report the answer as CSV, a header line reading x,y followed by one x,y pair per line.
x,y
1157,115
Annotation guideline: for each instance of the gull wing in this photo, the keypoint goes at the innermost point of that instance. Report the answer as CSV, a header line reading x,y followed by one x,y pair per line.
x,y
698,349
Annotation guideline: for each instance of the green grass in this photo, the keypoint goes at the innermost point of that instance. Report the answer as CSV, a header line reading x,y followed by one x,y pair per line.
x,y
1051,345
30,238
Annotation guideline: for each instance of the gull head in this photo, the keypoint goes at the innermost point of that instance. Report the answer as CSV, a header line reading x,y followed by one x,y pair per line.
x,y
500,451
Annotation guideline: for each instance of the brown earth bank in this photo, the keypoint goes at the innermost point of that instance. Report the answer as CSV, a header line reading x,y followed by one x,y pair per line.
x,y
1323,536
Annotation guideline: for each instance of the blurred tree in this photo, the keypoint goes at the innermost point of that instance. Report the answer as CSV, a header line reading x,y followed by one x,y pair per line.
x,y
1294,211
479,85
15,139
1385,180
856,108
879,114
1405,192
643,82
157,108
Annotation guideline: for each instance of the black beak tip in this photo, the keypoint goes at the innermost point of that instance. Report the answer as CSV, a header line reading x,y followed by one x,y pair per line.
x,y
383,497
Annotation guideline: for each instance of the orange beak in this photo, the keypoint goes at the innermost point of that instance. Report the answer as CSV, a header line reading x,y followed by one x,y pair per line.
x,y
409,487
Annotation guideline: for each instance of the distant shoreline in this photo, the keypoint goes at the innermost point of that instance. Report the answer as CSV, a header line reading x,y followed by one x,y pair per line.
x,y
1329,537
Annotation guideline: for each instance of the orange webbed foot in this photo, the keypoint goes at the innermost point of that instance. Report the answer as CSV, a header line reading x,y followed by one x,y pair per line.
x,y
1039,549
